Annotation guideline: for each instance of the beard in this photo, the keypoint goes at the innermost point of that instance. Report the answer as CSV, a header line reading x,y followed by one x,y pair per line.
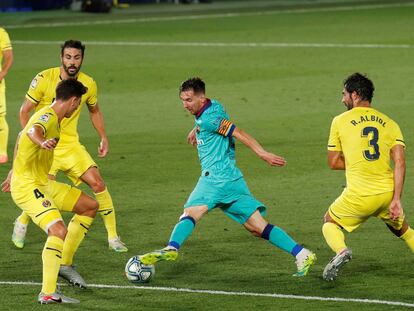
x,y
72,71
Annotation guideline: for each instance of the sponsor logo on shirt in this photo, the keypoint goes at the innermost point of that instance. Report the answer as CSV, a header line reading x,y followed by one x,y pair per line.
x,y
44,118
33,84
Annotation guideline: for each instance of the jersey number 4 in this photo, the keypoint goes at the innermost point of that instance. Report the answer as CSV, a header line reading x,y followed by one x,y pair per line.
x,y
38,194
373,143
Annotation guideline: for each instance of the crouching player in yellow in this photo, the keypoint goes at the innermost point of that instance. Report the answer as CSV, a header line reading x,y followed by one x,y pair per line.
x,y
42,199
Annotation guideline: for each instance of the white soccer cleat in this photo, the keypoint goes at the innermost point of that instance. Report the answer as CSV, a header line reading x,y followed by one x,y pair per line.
x,y
331,270
55,298
304,260
72,276
19,234
117,245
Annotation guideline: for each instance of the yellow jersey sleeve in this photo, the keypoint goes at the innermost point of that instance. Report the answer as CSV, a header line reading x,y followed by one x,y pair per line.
x,y
5,43
398,136
37,89
334,142
92,99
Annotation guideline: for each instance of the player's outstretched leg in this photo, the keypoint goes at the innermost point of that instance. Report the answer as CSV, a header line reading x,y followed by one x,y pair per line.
x,y
330,273
20,230
181,232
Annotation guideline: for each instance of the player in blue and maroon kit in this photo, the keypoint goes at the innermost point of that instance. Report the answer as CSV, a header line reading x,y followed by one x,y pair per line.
x,y
221,184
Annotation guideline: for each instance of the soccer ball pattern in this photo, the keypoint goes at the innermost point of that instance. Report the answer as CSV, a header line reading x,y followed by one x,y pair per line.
x,y
137,272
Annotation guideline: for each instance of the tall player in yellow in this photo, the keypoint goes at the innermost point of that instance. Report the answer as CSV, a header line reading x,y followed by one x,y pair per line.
x,y
6,60
363,141
70,156
41,198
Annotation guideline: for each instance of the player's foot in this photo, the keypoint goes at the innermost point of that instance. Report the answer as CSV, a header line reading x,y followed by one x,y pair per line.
x,y
4,159
332,268
167,253
304,260
19,234
55,298
117,245
72,276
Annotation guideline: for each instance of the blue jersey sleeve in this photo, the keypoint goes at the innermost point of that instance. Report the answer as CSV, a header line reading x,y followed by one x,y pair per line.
x,y
218,122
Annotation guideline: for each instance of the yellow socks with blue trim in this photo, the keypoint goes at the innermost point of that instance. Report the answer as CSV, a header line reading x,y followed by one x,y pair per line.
x,y
4,136
107,212
334,236
408,238
51,258
77,229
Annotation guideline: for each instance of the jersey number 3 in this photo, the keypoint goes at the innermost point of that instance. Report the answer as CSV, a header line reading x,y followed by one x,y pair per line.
x,y
373,143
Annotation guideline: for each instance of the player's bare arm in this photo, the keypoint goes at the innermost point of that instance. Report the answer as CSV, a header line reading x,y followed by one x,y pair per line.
x,y
398,156
36,135
191,137
336,160
7,63
249,141
25,112
97,119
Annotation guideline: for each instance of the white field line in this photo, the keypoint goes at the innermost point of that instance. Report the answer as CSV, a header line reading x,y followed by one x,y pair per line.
x,y
210,16
231,45
231,293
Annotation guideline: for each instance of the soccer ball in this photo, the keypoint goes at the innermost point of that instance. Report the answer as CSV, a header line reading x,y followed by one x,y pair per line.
x,y
137,272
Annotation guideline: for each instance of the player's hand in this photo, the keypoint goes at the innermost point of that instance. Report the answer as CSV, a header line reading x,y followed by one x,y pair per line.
x,y
49,144
103,148
5,185
273,160
191,137
395,209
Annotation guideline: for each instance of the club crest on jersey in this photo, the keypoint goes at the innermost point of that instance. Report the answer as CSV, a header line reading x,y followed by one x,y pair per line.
x,y
44,118
198,129
46,203
33,84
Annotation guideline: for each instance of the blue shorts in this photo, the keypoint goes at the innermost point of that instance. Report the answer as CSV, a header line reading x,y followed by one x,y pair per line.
x,y
232,197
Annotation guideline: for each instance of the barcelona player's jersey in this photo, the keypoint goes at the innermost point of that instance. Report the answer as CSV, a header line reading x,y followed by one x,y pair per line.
x,y
215,144
366,136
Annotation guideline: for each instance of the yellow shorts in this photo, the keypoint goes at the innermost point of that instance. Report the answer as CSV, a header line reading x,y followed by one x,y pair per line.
x,y
350,211
73,161
2,98
43,203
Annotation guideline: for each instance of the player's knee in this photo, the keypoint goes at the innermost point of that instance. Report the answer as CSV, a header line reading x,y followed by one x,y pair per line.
x,y
58,229
91,207
195,212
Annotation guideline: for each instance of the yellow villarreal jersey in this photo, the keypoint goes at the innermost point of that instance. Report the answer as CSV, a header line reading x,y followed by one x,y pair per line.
x,y
42,92
32,163
4,43
366,136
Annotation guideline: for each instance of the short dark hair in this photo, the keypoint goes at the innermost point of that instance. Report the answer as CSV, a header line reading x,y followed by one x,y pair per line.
x,y
69,88
360,84
75,44
195,84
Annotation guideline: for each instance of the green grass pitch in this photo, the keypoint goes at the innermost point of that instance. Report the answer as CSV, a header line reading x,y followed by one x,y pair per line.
x,y
285,96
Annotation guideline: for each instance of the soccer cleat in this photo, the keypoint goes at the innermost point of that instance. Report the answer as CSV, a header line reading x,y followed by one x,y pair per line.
x,y
117,245
72,276
3,159
19,234
332,268
304,260
167,253
55,298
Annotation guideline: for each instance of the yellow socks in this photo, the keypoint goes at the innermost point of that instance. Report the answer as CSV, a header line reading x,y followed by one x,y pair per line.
x,y
334,236
408,237
51,258
77,229
4,135
23,218
107,211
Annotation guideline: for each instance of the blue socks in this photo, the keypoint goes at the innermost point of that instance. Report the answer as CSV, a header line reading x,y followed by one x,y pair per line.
x,y
182,231
281,239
